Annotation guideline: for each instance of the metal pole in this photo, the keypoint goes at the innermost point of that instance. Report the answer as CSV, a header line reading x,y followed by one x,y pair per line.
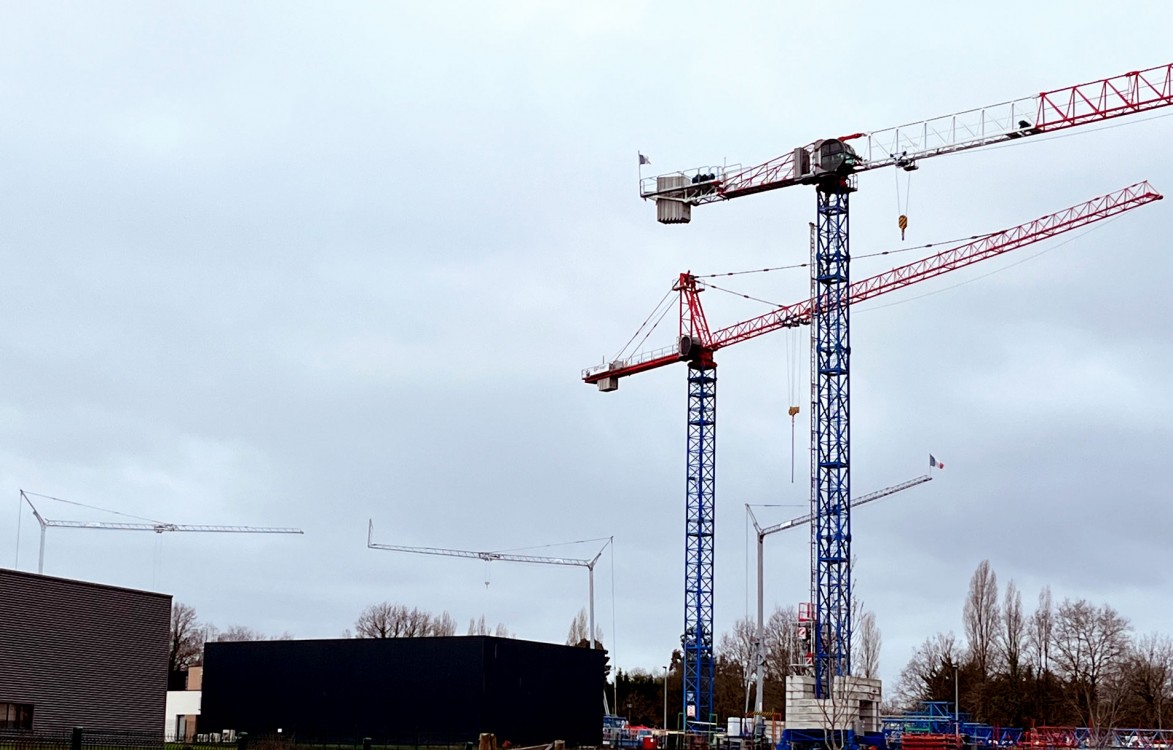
x,y
591,592
759,650
956,705
591,577
665,698
41,555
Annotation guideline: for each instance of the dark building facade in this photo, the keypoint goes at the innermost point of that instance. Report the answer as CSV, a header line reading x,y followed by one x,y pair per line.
x,y
81,654
405,690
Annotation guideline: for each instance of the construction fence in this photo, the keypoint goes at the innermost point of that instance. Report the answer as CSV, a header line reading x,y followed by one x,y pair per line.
x,y
84,739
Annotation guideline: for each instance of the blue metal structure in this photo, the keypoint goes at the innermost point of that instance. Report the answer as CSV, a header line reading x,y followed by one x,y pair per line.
x,y
818,739
928,717
697,641
830,437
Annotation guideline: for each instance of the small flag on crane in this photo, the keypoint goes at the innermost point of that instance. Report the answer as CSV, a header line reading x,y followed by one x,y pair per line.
x,y
934,463
643,159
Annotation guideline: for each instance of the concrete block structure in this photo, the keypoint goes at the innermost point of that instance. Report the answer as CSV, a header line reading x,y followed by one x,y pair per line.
x,y
854,704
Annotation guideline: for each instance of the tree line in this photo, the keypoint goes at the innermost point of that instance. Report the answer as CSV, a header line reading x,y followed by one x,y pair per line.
x,y
639,694
381,620
1068,664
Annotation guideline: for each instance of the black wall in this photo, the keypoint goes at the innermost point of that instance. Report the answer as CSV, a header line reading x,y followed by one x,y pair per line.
x,y
83,654
405,690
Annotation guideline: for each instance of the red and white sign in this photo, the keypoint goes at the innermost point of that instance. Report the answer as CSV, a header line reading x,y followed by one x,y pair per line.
x,y
806,612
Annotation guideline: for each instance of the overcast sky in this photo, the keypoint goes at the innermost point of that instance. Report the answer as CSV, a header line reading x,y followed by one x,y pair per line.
x,y
309,264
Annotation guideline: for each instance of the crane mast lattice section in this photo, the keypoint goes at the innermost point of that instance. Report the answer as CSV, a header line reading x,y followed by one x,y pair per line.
x,y
697,641
831,438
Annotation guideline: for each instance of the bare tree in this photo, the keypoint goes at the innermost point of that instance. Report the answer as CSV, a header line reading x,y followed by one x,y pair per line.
x,y
480,627
390,620
580,630
442,625
416,623
1039,632
936,654
982,616
737,652
738,646
868,646
1090,645
378,621
1013,631
1150,678
781,643
239,633
187,638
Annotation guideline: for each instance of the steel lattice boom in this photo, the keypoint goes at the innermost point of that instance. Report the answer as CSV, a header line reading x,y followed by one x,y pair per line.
x,y
489,556
158,527
486,556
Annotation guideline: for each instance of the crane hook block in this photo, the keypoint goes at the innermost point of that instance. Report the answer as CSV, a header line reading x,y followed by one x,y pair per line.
x,y
793,411
903,222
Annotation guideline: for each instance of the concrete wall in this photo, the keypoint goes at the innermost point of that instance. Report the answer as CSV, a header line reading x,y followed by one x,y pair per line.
x,y
855,704
181,703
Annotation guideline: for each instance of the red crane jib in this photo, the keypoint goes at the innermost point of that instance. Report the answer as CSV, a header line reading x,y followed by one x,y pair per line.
x,y
790,316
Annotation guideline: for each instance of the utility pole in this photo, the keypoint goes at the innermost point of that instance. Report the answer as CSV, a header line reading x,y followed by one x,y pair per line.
x,y
665,698
956,704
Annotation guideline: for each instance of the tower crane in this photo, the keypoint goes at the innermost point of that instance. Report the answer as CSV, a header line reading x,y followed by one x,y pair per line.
x,y
830,165
762,533
158,527
696,346
506,557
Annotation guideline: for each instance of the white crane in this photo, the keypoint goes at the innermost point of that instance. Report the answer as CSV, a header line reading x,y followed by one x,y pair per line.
x,y
505,557
156,526
759,650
